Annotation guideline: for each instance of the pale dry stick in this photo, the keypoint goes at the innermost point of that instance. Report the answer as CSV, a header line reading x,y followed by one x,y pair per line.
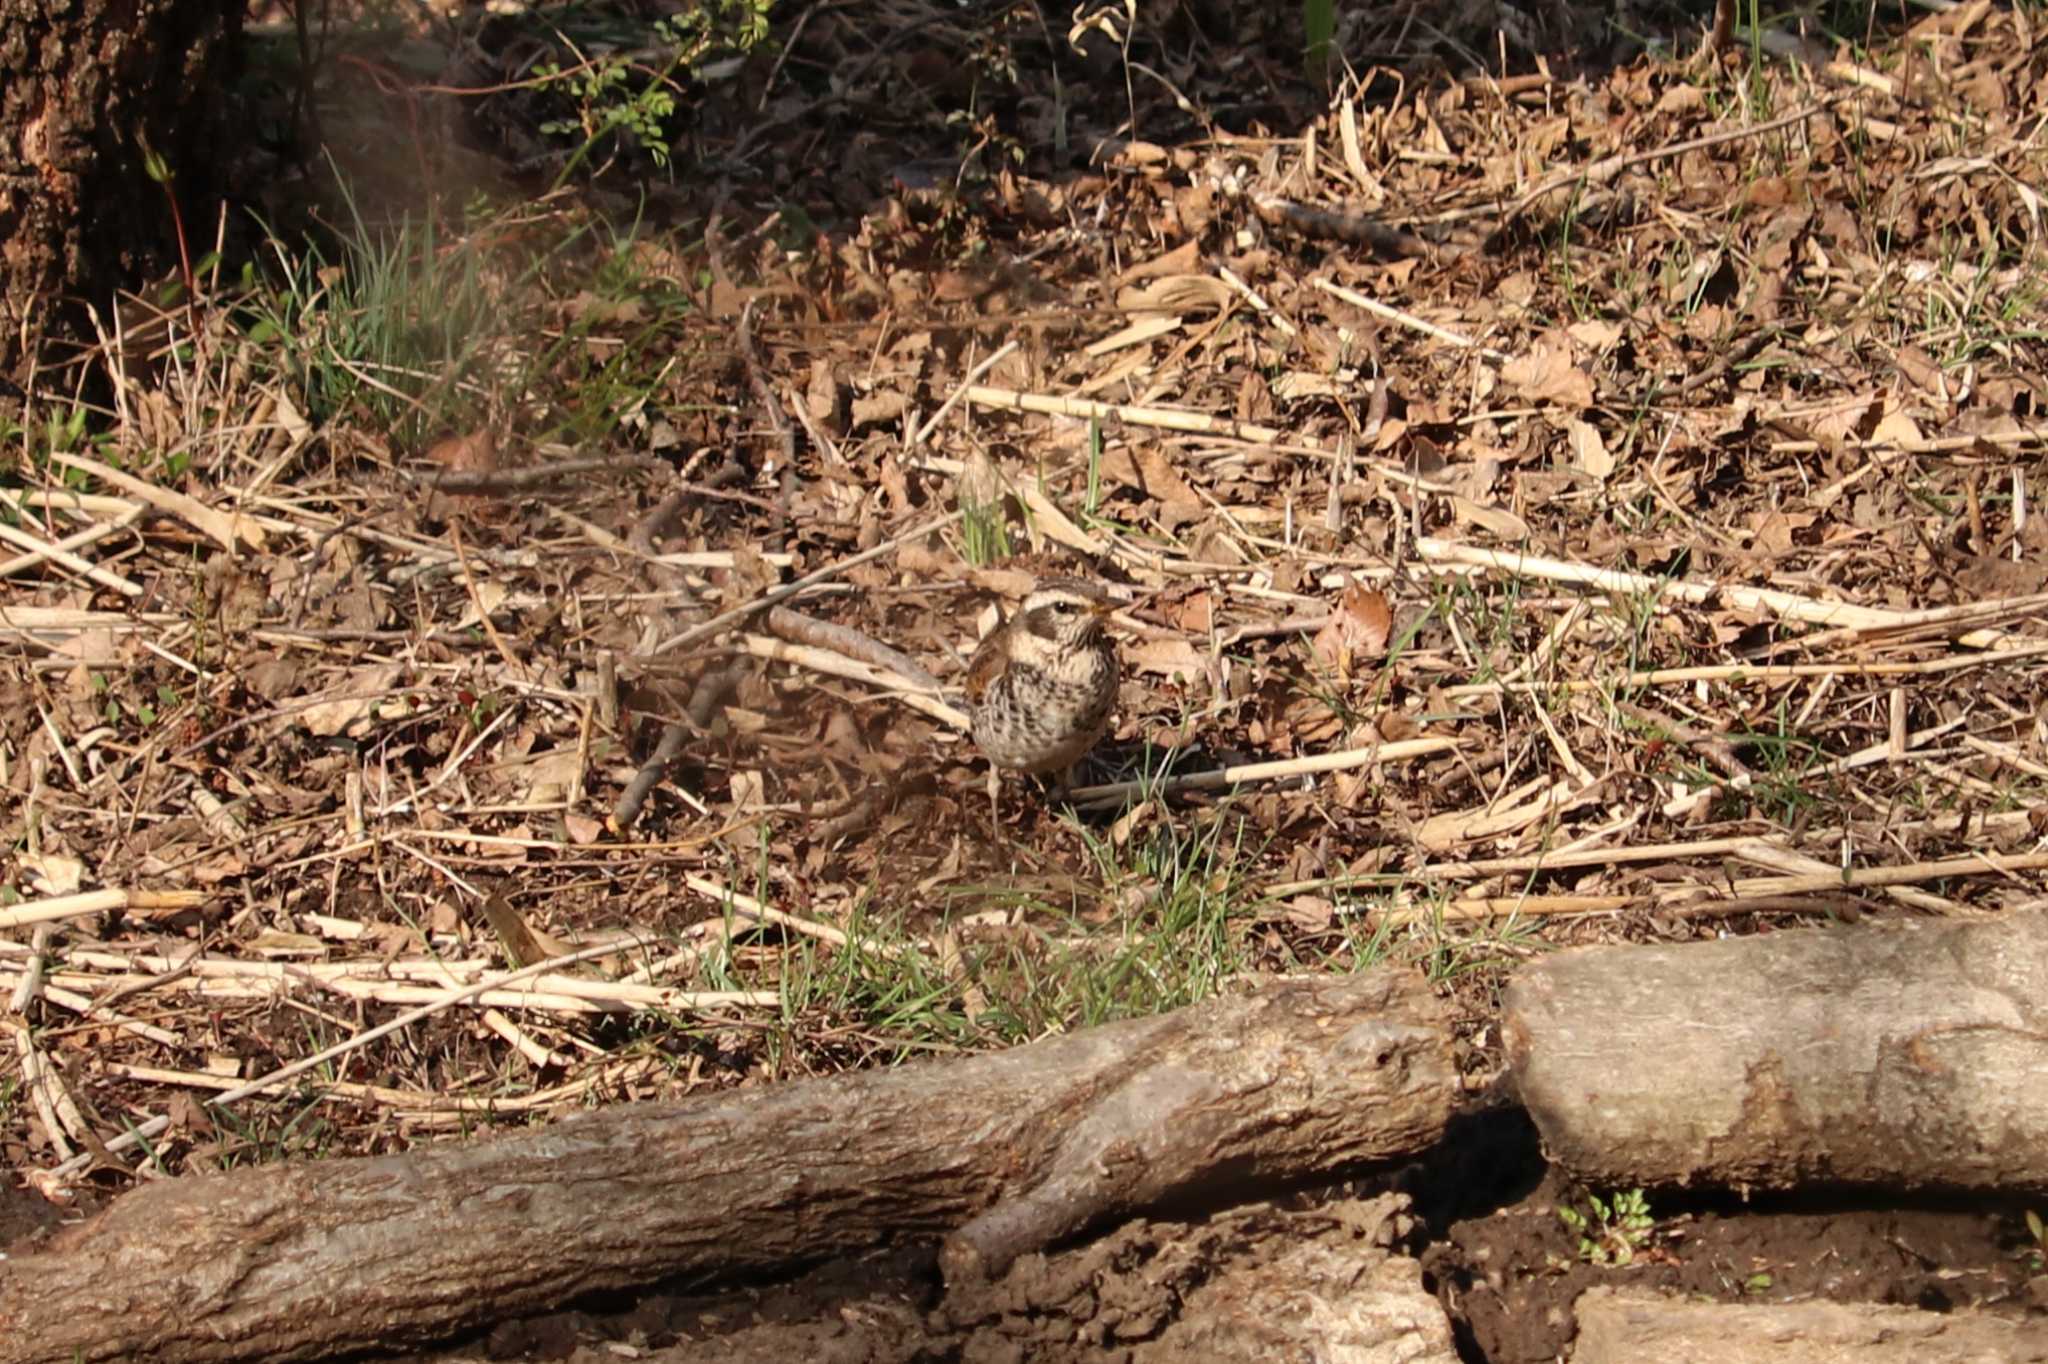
x,y
1251,296
748,907
65,499
332,1091
476,600
1757,673
85,1007
1936,622
2006,754
100,901
1479,869
1579,772
1785,605
1504,814
407,1101
1693,902
798,628
1760,853
965,387
31,983
1972,864
37,1079
44,551
64,753
1244,773
1539,658
1163,418
227,530
447,1000
1408,320
785,591
28,620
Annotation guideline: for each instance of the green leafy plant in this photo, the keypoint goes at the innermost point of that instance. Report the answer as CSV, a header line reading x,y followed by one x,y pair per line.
x,y
621,98
2036,1255
1610,1231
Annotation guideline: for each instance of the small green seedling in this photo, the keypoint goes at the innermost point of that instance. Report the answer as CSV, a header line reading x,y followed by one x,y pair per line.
x,y
1610,1232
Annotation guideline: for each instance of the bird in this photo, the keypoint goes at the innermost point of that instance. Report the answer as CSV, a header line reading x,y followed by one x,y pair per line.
x,y
1041,683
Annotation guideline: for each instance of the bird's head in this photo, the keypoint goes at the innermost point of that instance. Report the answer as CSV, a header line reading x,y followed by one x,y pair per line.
x,y
1065,611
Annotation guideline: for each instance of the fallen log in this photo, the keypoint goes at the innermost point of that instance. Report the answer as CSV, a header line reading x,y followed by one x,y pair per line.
x,y
1908,1055
1624,1327
999,1154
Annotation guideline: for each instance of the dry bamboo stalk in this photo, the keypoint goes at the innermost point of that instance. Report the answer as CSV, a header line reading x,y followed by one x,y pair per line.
x,y
1754,673
1409,320
141,1132
406,1100
83,1005
86,504
31,618
100,901
1267,771
953,399
43,551
752,908
839,665
1164,418
222,527
1764,854
1974,864
36,1079
789,590
91,535
1786,605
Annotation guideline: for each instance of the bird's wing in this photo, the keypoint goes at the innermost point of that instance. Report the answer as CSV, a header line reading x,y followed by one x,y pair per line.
x,y
987,664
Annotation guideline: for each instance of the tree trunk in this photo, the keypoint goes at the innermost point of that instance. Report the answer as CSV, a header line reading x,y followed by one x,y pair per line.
x,y
1007,1152
1623,1327
1910,1055
81,84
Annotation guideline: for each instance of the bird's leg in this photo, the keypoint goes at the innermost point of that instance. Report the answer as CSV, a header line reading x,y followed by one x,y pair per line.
x,y
995,809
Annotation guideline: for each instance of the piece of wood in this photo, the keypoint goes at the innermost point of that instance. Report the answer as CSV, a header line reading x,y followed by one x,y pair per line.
x,y
1618,1326
1909,1055
1005,1152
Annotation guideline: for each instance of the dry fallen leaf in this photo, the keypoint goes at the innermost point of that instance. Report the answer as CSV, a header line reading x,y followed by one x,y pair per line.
x,y
1360,627
1166,657
475,453
1589,451
1547,374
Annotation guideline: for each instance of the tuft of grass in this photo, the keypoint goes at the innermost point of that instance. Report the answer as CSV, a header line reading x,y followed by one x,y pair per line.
x,y
398,328
984,530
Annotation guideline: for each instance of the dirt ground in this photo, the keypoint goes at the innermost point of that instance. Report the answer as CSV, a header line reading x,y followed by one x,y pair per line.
x,y
1616,463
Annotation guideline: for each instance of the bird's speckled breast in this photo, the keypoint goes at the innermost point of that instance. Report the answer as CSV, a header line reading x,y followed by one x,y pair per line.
x,y
1036,720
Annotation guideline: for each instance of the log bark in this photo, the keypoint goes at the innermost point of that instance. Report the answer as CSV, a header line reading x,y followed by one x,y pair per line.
x,y
1909,1055
1006,1152
1623,1327
81,86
